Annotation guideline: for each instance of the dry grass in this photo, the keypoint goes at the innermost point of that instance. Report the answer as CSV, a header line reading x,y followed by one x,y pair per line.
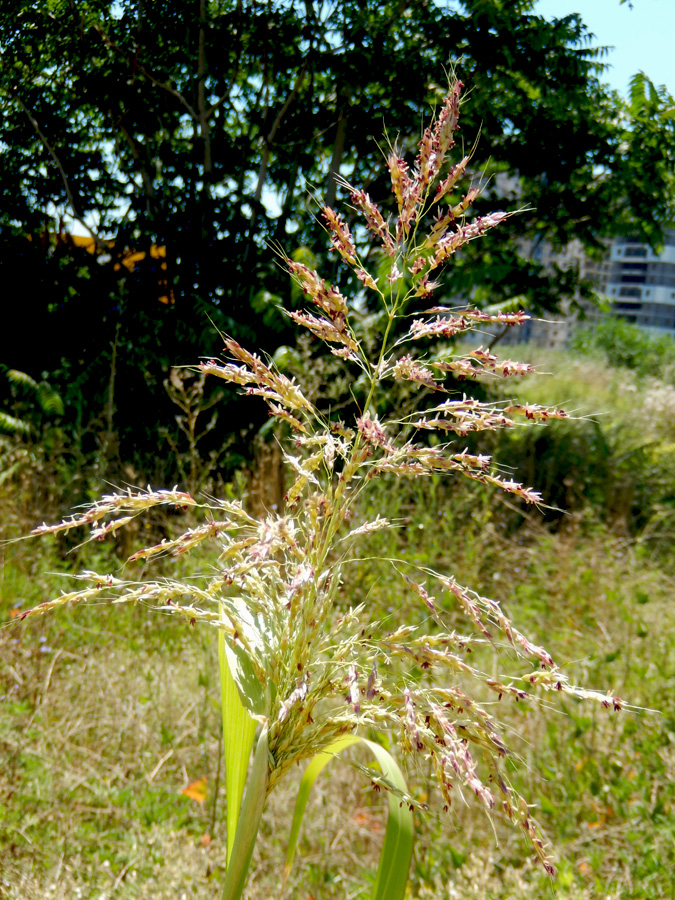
x,y
108,714
97,742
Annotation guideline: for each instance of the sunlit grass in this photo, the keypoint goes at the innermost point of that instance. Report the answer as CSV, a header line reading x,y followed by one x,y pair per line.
x,y
107,716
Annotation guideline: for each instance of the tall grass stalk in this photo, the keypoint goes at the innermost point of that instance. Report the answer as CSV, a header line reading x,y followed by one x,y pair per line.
x,y
302,667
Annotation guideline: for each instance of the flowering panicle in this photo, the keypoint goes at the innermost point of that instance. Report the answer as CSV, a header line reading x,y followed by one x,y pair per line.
x,y
186,541
373,218
452,323
450,243
372,432
464,416
477,315
461,369
441,223
446,327
447,123
408,368
426,163
334,328
129,502
401,183
536,413
345,353
278,585
326,297
410,720
326,330
280,413
458,758
340,238
269,383
465,367
419,461
377,524
367,279
465,203
451,179
424,287
410,212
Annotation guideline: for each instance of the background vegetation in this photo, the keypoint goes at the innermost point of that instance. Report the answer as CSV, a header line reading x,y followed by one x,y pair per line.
x,y
108,715
197,128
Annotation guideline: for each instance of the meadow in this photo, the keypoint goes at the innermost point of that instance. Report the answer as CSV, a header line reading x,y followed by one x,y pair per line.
x,y
111,781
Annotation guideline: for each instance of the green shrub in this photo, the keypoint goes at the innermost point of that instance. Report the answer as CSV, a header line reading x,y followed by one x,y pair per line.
x,y
626,345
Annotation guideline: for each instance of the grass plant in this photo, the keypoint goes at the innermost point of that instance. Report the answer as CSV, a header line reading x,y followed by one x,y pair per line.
x,y
306,669
78,815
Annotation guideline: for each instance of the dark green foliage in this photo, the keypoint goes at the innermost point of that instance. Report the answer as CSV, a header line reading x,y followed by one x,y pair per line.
x,y
197,127
31,403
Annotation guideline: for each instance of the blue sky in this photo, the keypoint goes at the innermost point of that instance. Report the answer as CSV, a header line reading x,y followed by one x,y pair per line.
x,y
643,37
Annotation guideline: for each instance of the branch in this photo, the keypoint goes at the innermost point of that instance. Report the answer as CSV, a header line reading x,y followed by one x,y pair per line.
x,y
145,177
275,127
336,158
141,68
497,338
226,94
201,90
62,172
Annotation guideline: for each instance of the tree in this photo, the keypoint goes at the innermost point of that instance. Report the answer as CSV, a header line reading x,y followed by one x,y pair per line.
x,y
198,126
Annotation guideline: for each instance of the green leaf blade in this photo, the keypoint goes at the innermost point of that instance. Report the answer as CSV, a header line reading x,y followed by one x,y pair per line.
x,y
249,822
238,733
392,872
312,772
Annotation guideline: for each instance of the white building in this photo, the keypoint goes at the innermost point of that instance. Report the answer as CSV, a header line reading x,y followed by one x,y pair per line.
x,y
638,283
641,283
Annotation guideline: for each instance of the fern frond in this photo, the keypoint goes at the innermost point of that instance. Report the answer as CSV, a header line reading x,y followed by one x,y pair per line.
x,y
12,426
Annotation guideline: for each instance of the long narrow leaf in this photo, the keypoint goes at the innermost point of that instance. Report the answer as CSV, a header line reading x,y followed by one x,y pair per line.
x,y
249,821
312,772
392,872
238,734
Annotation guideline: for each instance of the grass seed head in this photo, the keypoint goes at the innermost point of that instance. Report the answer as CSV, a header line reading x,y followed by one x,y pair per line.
x,y
279,587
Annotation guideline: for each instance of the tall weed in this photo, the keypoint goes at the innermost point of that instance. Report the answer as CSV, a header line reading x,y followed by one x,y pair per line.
x,y
305,670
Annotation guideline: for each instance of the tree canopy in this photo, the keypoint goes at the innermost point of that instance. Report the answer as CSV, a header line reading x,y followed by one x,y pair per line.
x,y
202,128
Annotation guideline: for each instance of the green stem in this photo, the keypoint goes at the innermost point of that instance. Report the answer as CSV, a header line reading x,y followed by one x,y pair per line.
x,y
249,821
334,520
